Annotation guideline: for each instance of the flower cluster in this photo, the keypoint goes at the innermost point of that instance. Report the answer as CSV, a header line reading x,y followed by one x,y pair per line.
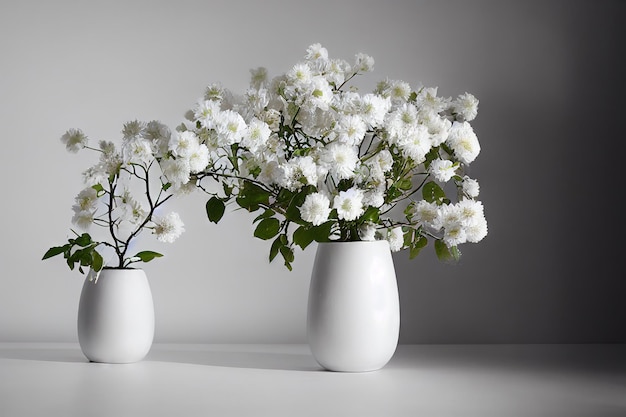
x,y
323,162
110,200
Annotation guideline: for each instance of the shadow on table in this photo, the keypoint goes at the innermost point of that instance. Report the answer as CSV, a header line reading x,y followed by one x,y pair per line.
x,y
248,358
49,354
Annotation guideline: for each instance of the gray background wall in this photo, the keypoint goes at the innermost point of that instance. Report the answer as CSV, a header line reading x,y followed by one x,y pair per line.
x,y
552,96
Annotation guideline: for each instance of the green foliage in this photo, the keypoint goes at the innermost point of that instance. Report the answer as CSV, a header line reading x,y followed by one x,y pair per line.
x,y
251,196
147,256
267,228
215,208
81,251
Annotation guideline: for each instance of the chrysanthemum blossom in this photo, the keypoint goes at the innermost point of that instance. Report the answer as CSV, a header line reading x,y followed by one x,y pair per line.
x,y
463,142
349,204
168,228
471,188
416,144
256,135
374,108
315,209
363,63
442,169
476,231
454,234
86,199
230,127
133,129
176,170
83,219
466,106
427,214
183,143
395,238
74,140
198,158
320,94
137,150
316,52
341,160
205,112
351,129
299,75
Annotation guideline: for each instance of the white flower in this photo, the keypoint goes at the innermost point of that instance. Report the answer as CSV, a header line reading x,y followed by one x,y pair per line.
x,y
230,127
428,214
300,75
315,209
395,237
399,91
316,52
463,142
477,230
349,204
198,158
374,108
466,106
258,77
83,219
183,143
256,135
303,170
470,211
374,197
454,234
416,144
133,129
86,199
205,112
363,63
74,140
132,210
351,129
341,160
95,175
168,228
137,150
442,169
471,188
321,93
176,170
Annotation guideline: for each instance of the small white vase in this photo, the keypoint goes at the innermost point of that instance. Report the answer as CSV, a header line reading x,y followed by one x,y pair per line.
x,y
116,316
353,317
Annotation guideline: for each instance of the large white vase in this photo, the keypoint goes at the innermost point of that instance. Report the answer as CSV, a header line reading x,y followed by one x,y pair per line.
x,y
353,317
116,316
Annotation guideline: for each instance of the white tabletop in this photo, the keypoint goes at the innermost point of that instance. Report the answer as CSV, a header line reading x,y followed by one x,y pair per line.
x,y
284,380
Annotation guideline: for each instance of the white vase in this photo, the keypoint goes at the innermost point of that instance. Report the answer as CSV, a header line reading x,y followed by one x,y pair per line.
x,y
353,317
116,316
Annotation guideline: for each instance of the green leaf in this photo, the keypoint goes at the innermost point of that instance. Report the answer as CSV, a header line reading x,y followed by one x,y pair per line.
x,y
303,236
371,215
293,211
417,246
405,184
321,233
83,240
147,256
166,186
433,193
276,245
215,208
98,262
267,228
54,251
251,196
288,255
444,253
267,213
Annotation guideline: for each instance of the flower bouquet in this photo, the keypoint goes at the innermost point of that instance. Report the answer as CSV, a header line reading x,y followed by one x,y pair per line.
x,y
319,161
109,201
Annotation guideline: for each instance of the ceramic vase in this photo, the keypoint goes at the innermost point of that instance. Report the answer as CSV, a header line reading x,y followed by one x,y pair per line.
x,y
353,317
116,316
